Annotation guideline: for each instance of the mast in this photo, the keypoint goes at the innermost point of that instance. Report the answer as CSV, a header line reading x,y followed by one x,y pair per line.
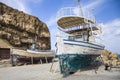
x,y
90,24
81,12
80,8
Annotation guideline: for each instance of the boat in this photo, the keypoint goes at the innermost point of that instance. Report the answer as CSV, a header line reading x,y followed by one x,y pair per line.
x,y
31,55
78,40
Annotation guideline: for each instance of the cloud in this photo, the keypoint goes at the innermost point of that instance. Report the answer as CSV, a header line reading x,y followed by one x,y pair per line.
x,y
87,9
115,22
111,35
112,27
117,32
22,5
35,1
51,21
17,4
52,25
93,4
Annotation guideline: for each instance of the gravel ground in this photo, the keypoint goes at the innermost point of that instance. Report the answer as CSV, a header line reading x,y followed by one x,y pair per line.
x,y
42,72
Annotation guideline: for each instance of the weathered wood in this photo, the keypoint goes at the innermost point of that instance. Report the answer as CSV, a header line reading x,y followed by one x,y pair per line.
x,y
52,64
31,59
41,61
46,59
29,54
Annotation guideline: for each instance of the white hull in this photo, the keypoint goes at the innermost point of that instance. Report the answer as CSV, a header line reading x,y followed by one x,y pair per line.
x,y
30,53
81,47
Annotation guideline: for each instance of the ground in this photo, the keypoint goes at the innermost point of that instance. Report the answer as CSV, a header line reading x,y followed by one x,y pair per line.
x,y
42,72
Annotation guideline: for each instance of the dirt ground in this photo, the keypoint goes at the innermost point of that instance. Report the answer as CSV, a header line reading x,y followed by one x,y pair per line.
x,y
42,72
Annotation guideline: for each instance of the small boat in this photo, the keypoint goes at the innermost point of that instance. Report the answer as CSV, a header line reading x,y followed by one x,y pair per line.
x,y
82,43
31,56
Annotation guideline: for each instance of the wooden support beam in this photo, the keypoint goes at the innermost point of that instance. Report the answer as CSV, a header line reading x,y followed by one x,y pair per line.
x,y
11,58
52,64
32,60
41,61
46,59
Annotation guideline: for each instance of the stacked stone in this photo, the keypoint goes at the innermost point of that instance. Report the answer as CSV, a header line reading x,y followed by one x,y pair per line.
x,y
114,59
105,57
21,29
110,59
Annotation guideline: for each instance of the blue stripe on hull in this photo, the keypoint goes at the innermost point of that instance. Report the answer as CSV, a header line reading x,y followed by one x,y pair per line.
x,y
85,46
84,42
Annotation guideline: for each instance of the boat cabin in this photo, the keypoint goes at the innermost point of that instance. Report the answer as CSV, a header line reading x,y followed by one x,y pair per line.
x,y
81,34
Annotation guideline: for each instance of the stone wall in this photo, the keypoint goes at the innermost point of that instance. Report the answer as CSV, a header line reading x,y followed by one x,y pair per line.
x,y
22,30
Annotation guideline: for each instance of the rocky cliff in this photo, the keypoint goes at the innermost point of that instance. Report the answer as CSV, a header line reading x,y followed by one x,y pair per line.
x,y
22,30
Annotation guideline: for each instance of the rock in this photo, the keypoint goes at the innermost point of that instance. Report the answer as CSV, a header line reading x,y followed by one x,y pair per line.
x,y
110,59
105,53
21,29
114,55
5,63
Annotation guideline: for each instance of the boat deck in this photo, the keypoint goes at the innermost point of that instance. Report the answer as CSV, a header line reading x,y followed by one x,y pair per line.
x,y
70,21
80,30
69,17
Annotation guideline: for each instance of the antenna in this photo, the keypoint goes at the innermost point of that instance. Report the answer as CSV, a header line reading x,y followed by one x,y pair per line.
x,y
93,15
80,8
78,2
81,14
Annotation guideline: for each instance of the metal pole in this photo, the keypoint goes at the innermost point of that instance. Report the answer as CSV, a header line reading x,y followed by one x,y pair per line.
x,y
92,32
81,14
80,8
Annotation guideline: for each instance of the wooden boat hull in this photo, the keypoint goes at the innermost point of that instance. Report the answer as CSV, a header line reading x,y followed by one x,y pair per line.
x,y
77,54
73,62
31,57
82,47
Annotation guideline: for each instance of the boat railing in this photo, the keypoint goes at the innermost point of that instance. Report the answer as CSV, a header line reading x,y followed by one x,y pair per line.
x,y
97,40
74,11
43,50
79,27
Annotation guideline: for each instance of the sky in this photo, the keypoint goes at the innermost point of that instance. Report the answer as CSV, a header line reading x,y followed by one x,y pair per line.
x,y
106,12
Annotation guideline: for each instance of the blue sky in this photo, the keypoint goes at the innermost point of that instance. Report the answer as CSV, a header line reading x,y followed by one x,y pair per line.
x,y
106,12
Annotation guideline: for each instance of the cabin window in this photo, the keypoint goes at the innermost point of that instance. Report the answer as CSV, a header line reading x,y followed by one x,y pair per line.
x,y
71,38
78,36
